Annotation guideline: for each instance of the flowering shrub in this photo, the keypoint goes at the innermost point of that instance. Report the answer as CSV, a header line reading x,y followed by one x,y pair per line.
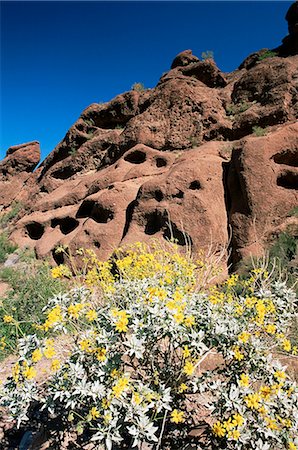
x,y
137,351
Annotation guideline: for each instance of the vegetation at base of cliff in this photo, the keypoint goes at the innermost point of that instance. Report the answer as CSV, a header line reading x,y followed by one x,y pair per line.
x,y
30,285
8,216
139,328
6,247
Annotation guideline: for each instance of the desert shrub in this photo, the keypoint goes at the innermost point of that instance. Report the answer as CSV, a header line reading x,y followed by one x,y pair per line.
x,y
136,352
267,54
208,54
259,131
233,109
7,217
138,87
31,285
293,212
6,247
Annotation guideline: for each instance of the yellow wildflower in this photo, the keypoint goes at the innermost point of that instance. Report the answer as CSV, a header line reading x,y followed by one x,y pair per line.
x,y
49,352
238,420
234,434
286,344
218,429
75,309
36,355
265,392
179,317
29,373
244,337
280,375
85,345
271,423
2,343
244,380
183,387
270,328
292,446
120,386
55,365
189,321
61,271
8,319
94,413
136,398
16,372
186,351
101,354
253,401
189,368
237,353
177,416
105,403
91,315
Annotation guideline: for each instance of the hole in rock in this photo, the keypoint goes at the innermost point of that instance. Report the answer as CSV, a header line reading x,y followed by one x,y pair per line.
x,y
136,157
155,222
67,224
96,244
97,212
287,157
288,180
172,232
179,194
63,173
195,185
161,162
35,230
58,257
158,195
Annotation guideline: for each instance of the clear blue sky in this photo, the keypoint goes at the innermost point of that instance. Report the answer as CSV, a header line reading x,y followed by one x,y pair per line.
x,y
58,57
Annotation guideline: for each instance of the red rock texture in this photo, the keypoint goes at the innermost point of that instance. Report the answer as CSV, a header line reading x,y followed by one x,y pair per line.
x,y
16,170
181,160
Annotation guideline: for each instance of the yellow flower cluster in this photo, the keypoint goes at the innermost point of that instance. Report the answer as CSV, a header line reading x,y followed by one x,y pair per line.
x,y
53,317
121,317
229,427
61,271
120,386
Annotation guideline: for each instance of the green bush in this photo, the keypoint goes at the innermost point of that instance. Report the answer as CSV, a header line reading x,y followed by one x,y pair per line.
x,y
5,218
30,287
259,131
6,247
267,54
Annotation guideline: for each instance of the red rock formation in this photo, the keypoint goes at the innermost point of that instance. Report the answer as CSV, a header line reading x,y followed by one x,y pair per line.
x,y
16,170
179,160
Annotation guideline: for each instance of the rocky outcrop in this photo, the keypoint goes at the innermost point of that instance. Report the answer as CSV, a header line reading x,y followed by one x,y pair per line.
x,y
263,188
201,156
16,170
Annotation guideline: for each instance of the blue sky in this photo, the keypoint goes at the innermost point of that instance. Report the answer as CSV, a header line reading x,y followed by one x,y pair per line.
x,y
58,57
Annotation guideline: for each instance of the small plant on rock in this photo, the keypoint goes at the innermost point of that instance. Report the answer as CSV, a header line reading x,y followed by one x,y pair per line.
x,y
208,54
139,87
259,131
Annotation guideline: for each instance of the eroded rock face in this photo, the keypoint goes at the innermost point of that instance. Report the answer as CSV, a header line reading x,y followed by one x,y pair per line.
x,y
16,170
178,161
263,188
